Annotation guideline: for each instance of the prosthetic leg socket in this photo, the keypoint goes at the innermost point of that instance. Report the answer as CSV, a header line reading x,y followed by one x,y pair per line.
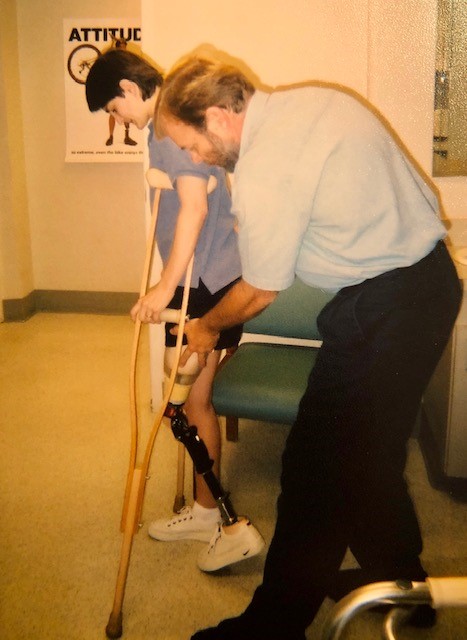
x,y
185,377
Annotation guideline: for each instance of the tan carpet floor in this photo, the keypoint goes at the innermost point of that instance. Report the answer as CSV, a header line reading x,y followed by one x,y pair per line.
x,y
64,442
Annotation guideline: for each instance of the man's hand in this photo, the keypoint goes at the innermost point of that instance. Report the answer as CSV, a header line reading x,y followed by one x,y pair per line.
x,y
242,302
201,340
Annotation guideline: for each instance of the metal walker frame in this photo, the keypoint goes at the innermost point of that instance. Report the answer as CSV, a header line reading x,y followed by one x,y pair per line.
x,y
403,594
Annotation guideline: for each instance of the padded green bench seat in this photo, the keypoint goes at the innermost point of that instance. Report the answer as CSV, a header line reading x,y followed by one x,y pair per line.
x,y
263,382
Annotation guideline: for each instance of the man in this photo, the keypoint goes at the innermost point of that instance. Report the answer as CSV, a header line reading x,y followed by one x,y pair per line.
x,y
323,191
126,86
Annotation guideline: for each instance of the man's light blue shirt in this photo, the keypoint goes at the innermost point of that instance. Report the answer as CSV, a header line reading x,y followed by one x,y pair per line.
x,y
322,191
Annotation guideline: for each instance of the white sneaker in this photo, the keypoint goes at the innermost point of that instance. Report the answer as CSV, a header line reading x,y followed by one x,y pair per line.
x,y
228,548
186,525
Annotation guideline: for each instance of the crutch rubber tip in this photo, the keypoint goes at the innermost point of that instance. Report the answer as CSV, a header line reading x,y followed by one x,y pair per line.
x,y
114,628
179,503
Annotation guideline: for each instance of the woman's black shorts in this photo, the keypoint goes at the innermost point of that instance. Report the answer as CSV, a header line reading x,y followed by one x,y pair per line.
x,y
199,303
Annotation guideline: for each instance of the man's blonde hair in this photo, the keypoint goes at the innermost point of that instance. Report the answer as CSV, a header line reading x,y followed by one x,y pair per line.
x,y
199,83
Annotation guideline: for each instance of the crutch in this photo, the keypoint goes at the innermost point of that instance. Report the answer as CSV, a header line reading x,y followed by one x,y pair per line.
x,y
403,594
137,473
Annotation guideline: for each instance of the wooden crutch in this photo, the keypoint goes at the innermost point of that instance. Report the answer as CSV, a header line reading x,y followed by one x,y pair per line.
x,y
159,181
137,473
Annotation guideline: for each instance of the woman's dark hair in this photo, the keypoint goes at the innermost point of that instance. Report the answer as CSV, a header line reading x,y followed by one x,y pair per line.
x,y
103,81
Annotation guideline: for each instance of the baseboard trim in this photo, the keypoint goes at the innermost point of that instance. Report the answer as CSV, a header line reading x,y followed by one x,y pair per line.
x,y
51,301
19,309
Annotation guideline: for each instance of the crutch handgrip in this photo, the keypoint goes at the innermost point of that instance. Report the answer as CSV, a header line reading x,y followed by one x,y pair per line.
x,y
170,315
158,179
448,592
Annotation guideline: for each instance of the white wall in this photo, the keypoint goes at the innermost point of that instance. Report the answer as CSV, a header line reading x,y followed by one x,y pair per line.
x,y
86,220
81,227
402,45
384,50
16,273
283,41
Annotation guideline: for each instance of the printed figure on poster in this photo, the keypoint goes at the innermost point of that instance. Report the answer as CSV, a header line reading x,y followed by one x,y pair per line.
x,y
96,137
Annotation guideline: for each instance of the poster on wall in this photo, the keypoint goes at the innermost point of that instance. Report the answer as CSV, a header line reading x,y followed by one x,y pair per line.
x,y
96,137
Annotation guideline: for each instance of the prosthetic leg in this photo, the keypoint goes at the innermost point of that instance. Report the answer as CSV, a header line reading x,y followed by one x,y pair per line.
x,y
188,435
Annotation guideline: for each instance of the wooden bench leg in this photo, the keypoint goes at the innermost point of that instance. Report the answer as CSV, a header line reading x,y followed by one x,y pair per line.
x,y
231,428
231,422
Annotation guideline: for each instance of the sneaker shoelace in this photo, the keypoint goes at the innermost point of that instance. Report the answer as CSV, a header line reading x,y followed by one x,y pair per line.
x,y
215,539
184,514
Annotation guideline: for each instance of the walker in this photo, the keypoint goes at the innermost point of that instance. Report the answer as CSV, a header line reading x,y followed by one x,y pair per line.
x,y
403,594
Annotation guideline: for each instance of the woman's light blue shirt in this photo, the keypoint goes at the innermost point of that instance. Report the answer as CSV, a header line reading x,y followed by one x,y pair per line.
x,y
217,260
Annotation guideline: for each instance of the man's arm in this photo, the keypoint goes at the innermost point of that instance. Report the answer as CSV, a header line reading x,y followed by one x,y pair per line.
x,y
192,192
240,304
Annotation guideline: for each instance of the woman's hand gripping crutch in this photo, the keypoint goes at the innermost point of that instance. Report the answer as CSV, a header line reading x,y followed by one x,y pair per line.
x,y
137,473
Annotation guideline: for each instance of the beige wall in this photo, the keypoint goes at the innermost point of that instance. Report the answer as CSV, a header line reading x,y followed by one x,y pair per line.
x,y
283,41
385,50
87,223
81,226
402,44
16,273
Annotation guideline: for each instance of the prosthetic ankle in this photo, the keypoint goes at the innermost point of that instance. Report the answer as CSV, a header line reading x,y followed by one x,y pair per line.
x,y
188,435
